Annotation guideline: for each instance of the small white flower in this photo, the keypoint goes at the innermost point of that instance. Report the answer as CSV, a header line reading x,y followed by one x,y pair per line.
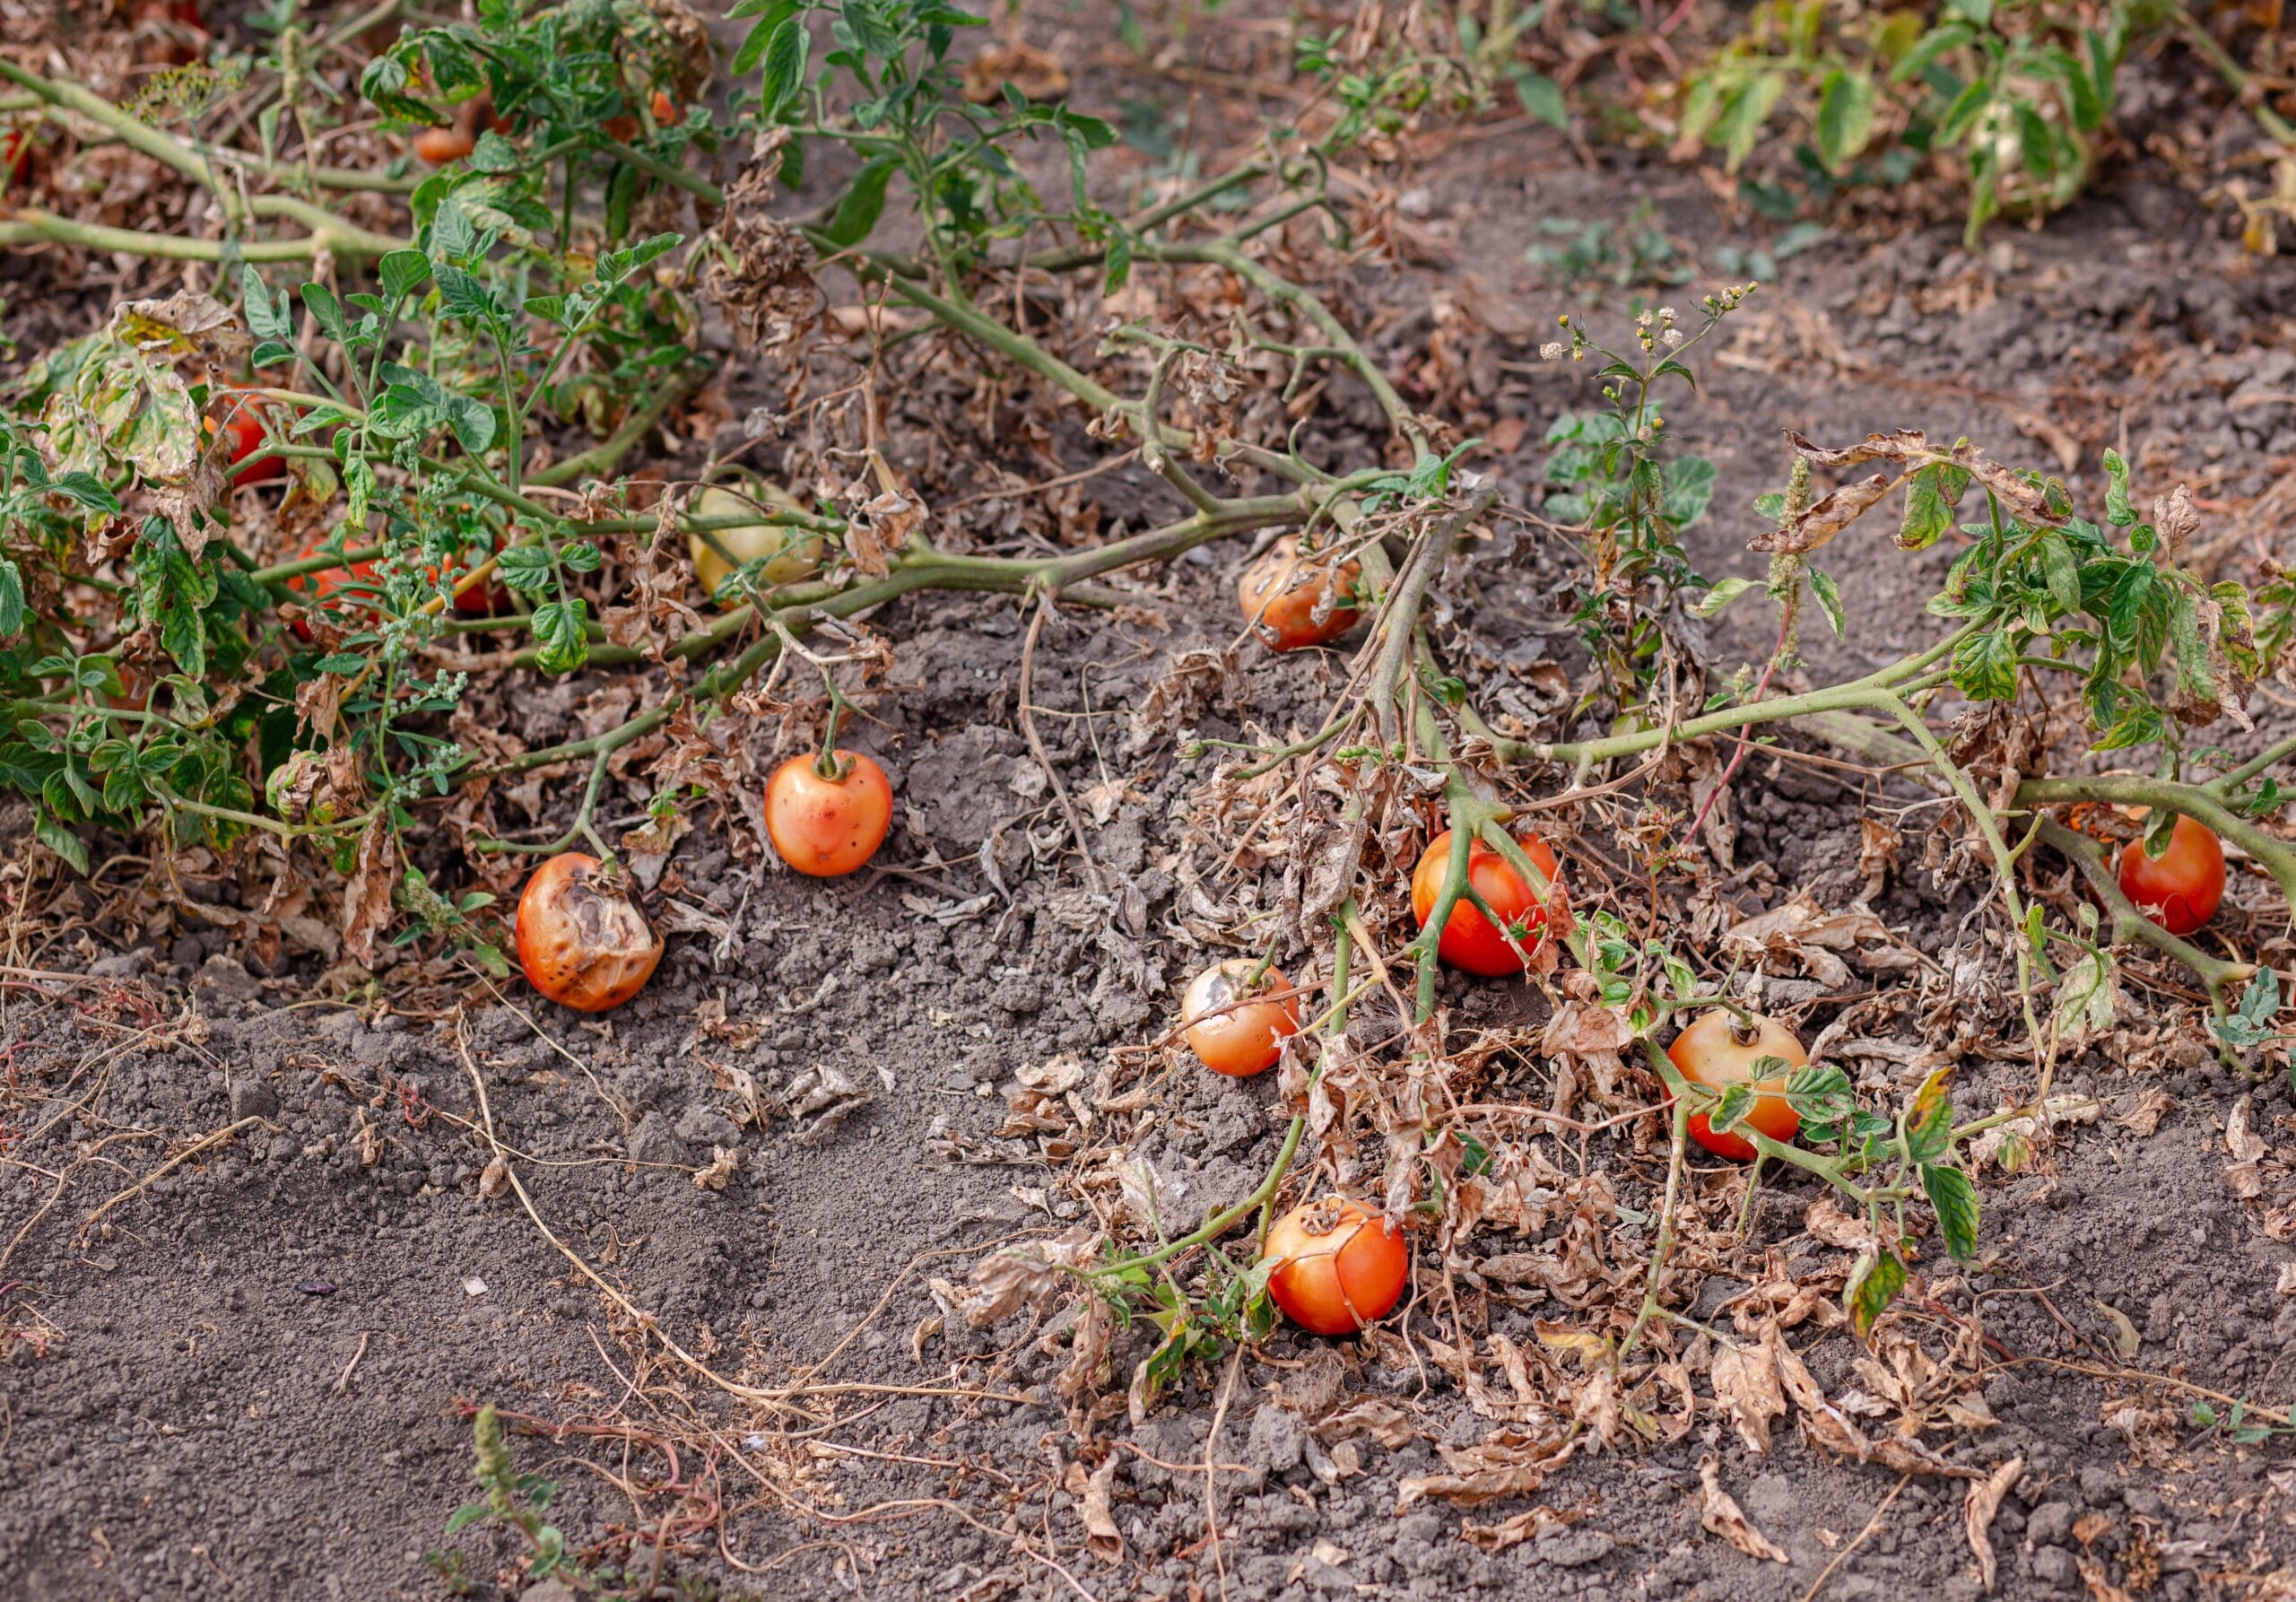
x,y
1551,351
1673,339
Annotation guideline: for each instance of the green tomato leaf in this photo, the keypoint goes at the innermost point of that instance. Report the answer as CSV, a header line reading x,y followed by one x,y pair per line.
x,y
1951,1193
1844,117
1874,1281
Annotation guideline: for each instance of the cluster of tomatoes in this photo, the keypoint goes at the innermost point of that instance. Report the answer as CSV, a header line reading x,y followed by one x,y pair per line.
x,y
1333,1265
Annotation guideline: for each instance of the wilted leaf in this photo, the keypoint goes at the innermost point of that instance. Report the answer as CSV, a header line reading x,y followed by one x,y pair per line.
x,y
1832,513
367,892
1984,1502
1745,1382
725,1162
1028,1275
1722,1516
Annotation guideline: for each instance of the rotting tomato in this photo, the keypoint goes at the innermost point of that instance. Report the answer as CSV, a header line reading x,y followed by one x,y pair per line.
x,y
1468,940
1717,1050
2181,889
1335,1265
827,814
789,553
1235,1031
1280,591
582,941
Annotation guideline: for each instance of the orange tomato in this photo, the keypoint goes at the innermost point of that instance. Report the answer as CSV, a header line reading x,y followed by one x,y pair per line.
x,y
1717,1051
1468,941
1246,1037
439,146
243,417
1337,1266
664,110
1279,592
582,942
2181,889
827,826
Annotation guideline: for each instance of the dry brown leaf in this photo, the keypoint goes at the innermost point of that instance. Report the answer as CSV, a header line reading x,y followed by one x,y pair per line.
x,y
1722,1516
1831,513
1100,1533
1745,1382
725,1162
1030,1276
2152,1107
1983,1501
1526,1526
1508,1462
367,893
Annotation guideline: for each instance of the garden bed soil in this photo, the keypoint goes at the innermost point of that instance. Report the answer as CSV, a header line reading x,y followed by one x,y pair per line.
x,y
248,1377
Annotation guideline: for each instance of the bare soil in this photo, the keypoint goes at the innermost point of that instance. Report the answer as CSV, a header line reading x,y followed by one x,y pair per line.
x,y
251,1376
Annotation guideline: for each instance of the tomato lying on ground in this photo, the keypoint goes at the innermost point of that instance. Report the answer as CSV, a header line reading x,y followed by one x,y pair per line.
x,y
1279,594
790,553
582,942
1337,1266
1244,1033
826,826
1468,940
2181,889
1719,1051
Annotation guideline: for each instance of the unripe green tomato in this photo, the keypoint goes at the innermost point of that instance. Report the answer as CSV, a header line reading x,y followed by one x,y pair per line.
x,y
799,553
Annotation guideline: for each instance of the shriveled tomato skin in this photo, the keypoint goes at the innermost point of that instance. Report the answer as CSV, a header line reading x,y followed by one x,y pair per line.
x,y
1248,1037
581,941
1708,1053
826,827
1337,1266
1279,594
1468,941
2182,889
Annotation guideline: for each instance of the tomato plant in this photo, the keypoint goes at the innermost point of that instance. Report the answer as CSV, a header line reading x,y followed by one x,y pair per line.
x,y
1294,598
1334,1265
1236,1023
1719,1050
1469,940
2178,889
582,942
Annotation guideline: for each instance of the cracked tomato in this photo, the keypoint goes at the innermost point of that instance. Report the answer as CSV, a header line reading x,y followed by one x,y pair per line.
x,y
1282,591
1335,1265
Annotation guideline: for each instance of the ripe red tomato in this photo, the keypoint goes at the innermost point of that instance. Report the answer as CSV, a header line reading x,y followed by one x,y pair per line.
x,y
1468,941
313,591
242,417
2180,891
1249,1036
1717,1050
583,942
1279,594
15,155
827,826
1337,1266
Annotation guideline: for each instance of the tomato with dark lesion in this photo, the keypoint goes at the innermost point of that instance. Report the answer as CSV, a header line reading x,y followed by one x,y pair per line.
x,y
582,942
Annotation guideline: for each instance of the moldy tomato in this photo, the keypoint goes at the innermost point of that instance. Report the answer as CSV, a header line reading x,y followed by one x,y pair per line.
x,y
1279,592
823,826
1717,1051
1247,1036
1468,941
582,942
1337,1266
2181,889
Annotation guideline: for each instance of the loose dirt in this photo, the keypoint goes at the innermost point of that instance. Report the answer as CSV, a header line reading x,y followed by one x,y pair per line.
x,y
251,1376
